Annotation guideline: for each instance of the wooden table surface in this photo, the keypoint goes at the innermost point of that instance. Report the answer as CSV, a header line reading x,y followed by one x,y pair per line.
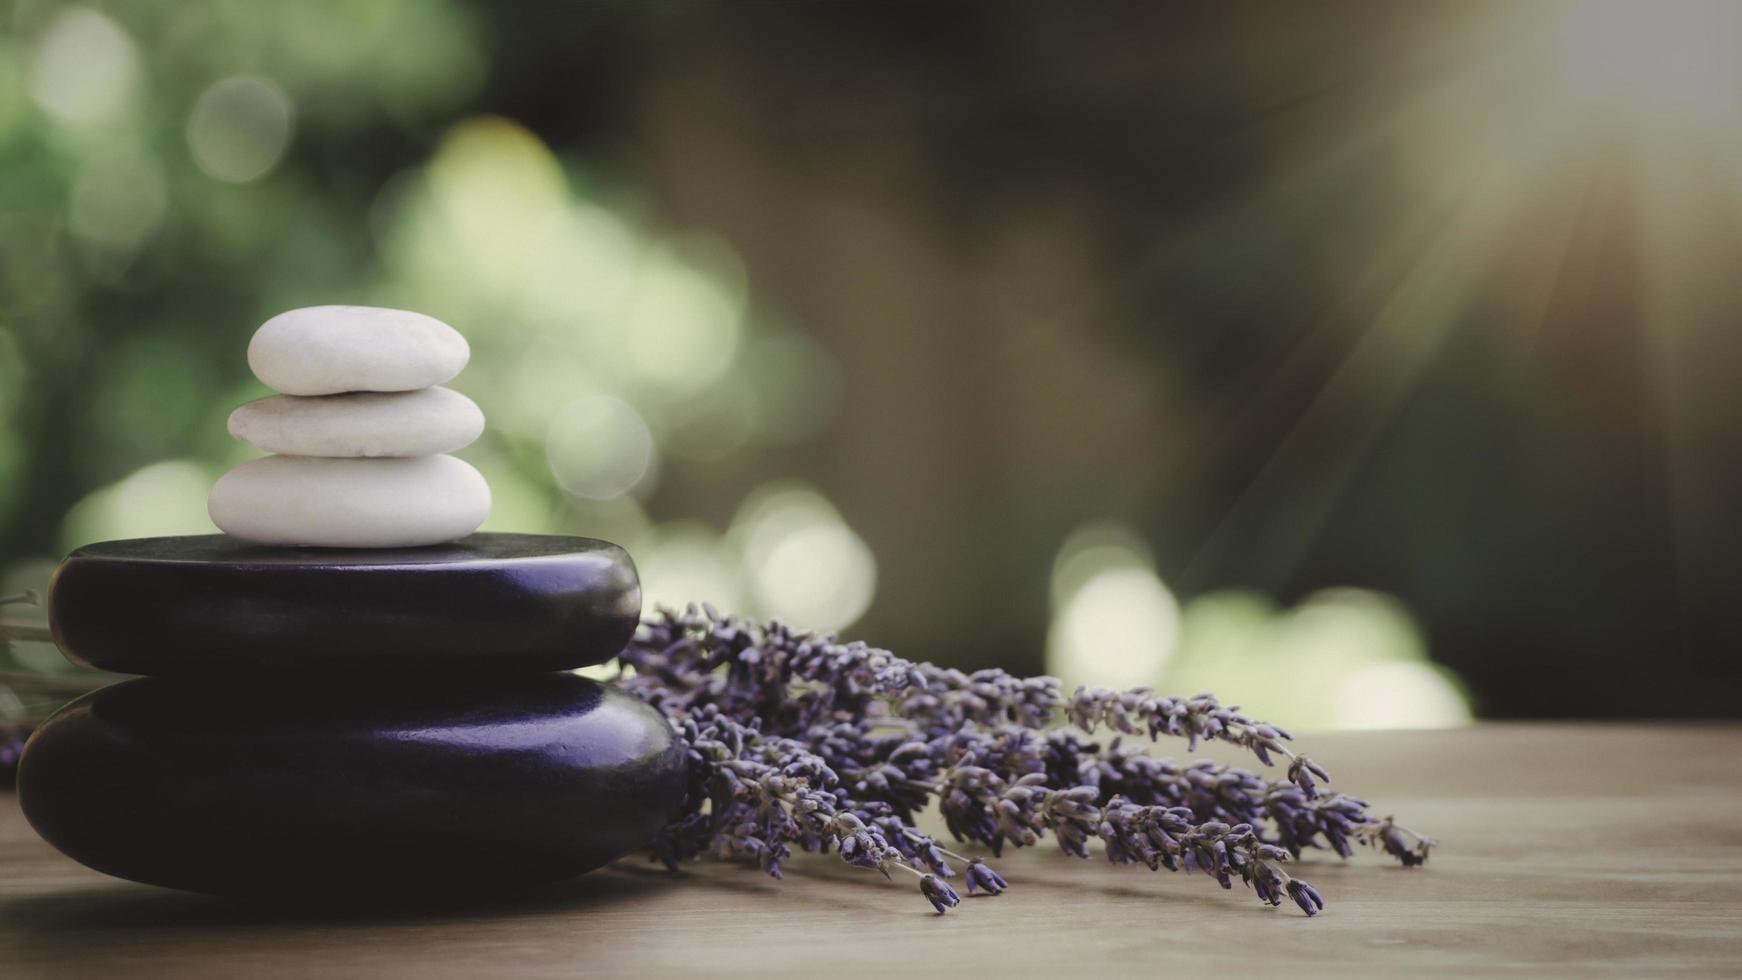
x,y
1565,850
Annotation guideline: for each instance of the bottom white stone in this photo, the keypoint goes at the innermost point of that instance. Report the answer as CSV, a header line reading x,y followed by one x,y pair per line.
x,y
350,503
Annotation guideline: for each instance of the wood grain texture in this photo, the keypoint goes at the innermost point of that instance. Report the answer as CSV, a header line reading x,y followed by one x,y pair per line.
x,y
1565,850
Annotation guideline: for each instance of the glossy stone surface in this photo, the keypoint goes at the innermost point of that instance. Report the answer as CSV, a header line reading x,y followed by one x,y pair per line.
x,y
275,790
210,605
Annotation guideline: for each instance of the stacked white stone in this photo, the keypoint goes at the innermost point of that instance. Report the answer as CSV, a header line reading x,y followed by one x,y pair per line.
x,y
360,434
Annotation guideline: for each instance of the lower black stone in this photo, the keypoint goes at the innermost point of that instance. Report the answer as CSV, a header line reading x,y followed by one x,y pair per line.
x,y
275,791
209,604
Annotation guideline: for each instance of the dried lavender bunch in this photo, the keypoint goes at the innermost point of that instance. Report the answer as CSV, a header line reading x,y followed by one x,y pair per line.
x,y
798,740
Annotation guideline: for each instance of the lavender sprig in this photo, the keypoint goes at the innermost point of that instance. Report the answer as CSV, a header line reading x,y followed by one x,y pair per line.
x,y
766,794
793,681
799,740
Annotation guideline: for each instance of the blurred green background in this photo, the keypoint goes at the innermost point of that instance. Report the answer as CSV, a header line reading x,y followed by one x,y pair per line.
x,y
1369,364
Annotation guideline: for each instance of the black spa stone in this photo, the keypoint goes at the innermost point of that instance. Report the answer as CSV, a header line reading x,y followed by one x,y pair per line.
x,y
276,791
210,604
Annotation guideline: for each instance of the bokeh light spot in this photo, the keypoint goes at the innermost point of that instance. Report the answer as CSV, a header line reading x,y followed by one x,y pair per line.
x,y
1115,623
501,194
684,562
599,447
83,68
1400,695
1352,625
681,328
239,129
1295,666
160,499
805,565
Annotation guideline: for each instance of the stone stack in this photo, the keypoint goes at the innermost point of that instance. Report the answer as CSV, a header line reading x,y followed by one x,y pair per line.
x,y
360,434
349,693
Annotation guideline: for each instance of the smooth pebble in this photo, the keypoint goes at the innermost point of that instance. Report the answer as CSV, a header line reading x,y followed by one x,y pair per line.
x,y
364,423
210,606
349,788
325,350
350,503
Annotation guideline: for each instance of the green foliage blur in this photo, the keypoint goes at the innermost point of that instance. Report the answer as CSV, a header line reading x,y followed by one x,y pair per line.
x,y
1294,357
183,172
179,173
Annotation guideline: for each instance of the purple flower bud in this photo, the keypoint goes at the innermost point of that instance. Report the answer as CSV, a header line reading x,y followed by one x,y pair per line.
x,y
983,877
939,893
1305,896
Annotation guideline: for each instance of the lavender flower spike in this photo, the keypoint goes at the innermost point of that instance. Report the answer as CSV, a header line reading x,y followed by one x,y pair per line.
x,y
1302,771
1306,896
989,881
1401,843
939,893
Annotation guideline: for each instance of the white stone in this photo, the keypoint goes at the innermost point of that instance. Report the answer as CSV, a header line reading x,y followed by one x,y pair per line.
x,y
350,503
360,423
324,350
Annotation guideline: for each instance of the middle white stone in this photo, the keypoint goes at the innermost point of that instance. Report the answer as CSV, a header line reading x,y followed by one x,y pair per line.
x,y
363,423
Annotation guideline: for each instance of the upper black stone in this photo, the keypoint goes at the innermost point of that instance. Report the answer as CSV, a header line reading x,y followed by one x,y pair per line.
x,y
210,604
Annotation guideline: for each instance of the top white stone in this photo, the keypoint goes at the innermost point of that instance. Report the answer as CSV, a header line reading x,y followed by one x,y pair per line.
x,y
325,350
